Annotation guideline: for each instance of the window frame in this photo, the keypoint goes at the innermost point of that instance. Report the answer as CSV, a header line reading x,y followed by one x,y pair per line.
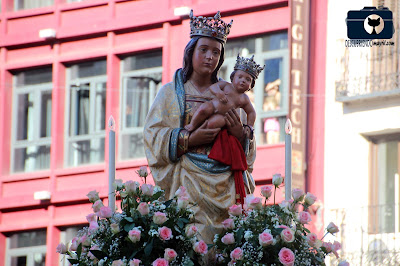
x,y
36,140
260,57
28,251
153,90
92,134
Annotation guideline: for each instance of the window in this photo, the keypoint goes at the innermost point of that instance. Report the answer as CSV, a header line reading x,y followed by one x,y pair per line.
x,y
384,184
30,4
86,116
31,136
141,78
26,248
66,235
270,93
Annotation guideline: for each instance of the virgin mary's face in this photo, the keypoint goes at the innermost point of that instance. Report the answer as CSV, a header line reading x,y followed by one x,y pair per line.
x,y
206,56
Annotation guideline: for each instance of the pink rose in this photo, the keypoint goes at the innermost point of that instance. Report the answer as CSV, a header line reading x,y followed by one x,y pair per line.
x,y
160,262
114,228
117,263
311,238
266,191
90,254
170,254
93,226
310,199
344,263
93,196
237,254
228,239
97,205
61,248
287,235
228,224
297,194
165,233
328,246
91,217
332,228
130,187
118,184
277,179
235,210
134,235
191,230
335,247
159,218
183,202
181,192
74,244
286,257
135,262
85,240
304,217
200,247
147,189
105,212
253,202
143,171
265,239
143,208
283,226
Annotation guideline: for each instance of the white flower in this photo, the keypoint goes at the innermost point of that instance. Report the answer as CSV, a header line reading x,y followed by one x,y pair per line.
x,y
248,235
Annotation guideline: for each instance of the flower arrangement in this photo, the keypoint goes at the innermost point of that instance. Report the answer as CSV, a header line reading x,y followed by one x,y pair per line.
x,y
263,234
148,231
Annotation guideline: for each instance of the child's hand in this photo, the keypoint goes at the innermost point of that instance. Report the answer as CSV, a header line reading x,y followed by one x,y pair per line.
x,y
222,98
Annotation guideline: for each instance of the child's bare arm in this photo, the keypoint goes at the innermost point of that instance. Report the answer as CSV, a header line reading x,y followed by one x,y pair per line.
x,y
249,109
218,90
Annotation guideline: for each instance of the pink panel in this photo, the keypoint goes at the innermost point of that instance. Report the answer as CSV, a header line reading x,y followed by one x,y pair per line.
x,y
31,55
25,187
85,19
24,219
92,45
139,41
270,160
34,23
82,180
72,214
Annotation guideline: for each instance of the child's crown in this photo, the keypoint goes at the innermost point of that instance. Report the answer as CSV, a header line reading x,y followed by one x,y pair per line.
x,y
248,65
213,27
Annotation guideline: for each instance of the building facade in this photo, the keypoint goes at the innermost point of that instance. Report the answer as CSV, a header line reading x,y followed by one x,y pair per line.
x,y
66,66
362,155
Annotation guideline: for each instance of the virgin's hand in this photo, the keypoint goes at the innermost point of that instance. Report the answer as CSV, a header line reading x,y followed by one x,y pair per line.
x,y
234,124
202,135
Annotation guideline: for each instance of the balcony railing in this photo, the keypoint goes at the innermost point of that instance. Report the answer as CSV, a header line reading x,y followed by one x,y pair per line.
x,y
369,235
367,72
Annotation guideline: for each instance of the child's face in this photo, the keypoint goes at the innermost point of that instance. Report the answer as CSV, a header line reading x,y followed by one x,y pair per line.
x,y
242,81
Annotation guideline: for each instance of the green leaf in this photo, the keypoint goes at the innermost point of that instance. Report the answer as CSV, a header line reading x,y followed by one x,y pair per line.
x,y
148,248
73,261
308,231
129,219
168,202
98,254
79,250
188,262
134,254
240,234
156,195
129,227
180,223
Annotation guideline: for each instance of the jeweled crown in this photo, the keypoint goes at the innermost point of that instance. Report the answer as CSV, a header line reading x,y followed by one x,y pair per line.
x,y
248,65
213,27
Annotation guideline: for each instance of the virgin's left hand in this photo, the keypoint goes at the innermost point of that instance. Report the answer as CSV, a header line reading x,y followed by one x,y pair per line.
x,y
234,124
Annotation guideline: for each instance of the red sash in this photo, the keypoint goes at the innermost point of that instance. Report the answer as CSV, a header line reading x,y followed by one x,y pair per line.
x,y
228,150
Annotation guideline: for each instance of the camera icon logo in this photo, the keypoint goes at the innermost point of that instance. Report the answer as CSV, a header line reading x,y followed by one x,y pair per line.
x,y
370,23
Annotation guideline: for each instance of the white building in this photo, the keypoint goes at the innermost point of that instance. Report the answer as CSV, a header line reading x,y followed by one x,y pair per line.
x,y
362,140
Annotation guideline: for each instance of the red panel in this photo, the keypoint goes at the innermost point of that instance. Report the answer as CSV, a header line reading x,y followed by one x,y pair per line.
x,y
24,220
270,160
18,26
29,187
2,250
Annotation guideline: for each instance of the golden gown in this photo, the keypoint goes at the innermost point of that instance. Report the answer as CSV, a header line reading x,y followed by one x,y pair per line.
x,y
209,184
